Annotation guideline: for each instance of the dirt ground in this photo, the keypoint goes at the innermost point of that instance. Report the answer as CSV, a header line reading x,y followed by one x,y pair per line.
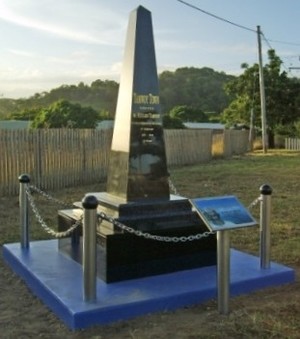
x,y
22,315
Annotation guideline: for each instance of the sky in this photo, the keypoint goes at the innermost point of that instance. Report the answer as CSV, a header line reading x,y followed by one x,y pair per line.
x,y
47,43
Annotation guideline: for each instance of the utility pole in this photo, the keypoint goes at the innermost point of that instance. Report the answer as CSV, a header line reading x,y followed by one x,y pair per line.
x,y
262,95
251,131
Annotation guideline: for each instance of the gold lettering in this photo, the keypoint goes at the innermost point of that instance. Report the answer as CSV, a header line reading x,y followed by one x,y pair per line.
x,y
148,115
153,99
147,141
145,99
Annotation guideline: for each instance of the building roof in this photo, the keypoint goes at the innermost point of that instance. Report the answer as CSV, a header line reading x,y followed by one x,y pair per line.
x,y
14,124
105,124
204,125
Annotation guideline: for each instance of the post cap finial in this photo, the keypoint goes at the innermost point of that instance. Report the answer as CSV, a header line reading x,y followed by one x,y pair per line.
x,y
24,178
265,189
90,202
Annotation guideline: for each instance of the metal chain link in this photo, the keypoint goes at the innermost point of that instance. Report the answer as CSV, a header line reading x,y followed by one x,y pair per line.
x,y
254,203
172,187
103,216
44,225
48,196
146,235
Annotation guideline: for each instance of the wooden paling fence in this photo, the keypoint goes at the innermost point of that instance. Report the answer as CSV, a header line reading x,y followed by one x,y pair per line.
x,y
186,147
57,158
54,158
236,142
292,144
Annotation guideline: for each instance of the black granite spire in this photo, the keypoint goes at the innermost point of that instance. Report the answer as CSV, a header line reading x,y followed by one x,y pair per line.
x,y
138,168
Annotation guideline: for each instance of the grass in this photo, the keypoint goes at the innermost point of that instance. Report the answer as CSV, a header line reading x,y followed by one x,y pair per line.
x,y
271,313
243,176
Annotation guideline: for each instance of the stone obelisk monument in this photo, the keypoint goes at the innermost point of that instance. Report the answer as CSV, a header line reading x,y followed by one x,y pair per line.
x,y
137,192
137,186
138,168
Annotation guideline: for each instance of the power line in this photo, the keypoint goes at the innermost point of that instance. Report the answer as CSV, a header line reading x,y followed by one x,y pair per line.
x,y
268,43
266,40
242,27
285,42
216,16
245,28
235,24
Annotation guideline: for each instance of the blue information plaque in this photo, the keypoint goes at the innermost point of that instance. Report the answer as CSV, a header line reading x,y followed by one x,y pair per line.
x,y
223,213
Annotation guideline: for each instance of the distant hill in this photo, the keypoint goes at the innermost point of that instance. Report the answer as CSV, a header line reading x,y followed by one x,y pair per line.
x,y
197,87
8,106
202,88
100,95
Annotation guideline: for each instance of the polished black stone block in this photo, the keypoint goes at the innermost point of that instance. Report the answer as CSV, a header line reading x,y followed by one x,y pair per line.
x,y
146,215
123,256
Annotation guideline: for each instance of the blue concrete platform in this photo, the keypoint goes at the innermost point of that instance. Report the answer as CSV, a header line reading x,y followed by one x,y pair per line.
x,y
57,280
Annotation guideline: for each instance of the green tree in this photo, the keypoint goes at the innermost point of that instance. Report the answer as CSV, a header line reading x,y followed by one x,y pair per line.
x,y
172,123
26,114
63,114
297,128
281,92
245,92
188,114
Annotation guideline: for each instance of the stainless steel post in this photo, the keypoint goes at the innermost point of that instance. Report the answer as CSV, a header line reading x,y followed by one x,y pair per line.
x,y
24,180
265,226
89,261
223,267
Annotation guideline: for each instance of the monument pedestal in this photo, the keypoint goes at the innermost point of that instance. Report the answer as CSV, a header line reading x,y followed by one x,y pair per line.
x,y
123,256
138,194
148,214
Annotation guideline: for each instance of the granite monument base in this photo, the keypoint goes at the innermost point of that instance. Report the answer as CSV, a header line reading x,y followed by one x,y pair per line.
x,y
123,256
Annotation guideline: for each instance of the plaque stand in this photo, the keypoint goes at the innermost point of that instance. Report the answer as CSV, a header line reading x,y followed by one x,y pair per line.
x,y
223,276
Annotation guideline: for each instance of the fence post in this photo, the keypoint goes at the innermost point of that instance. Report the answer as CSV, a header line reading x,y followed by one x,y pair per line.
x,y
24,180
265,230
89,204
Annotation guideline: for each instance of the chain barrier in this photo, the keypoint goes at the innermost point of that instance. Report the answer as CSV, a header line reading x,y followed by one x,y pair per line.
x,y
102,216
43,223
146,235
174,190
49,197
254,203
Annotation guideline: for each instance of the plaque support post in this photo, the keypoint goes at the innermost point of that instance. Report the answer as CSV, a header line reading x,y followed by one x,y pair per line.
x,y
265,230
24,180
223,270
89,260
